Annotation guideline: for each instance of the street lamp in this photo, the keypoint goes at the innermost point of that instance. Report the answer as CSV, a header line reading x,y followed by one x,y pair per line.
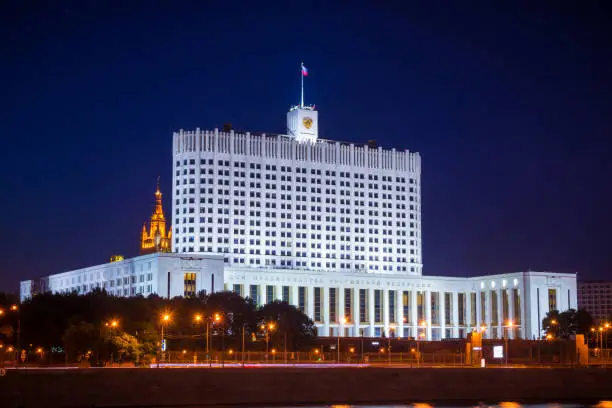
x,y
198,318
164,320
418,356
267,328
111,324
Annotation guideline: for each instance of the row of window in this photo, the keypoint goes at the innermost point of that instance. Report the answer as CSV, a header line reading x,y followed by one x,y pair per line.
x,y
288,169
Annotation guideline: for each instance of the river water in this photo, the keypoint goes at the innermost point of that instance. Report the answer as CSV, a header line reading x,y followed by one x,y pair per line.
x,y
602,404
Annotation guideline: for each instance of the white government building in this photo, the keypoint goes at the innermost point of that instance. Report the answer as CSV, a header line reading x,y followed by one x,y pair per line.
x,y
331,227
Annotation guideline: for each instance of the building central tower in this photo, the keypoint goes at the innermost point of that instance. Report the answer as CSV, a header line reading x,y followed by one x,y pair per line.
x,y
303,124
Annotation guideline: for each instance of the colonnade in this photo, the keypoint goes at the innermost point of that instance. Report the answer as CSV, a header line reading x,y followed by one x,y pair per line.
x,y
377,312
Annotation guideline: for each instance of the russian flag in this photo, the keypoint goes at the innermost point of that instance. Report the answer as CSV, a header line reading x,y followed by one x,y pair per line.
x,y
304,70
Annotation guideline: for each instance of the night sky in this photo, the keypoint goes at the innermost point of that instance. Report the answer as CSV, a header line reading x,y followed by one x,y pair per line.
x,y
508,103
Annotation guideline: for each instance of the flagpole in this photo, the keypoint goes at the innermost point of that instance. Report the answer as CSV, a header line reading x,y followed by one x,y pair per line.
x,y
302,72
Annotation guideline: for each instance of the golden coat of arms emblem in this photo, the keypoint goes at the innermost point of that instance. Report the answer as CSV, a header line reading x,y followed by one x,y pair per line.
x,y
307,121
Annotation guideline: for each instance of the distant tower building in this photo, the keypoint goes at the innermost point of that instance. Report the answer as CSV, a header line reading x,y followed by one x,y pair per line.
x,y
158,238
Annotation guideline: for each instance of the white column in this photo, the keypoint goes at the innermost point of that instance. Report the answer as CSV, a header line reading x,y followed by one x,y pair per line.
x,y
279,292
488,312
414,313
262,293
294,296
310,301
455,314
355,297
500,314
325,310
428,314
468,312
386,311
399,305
340,309
371,311
442,312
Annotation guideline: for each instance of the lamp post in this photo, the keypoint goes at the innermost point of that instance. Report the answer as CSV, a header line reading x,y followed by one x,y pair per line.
x,y
418,355
112,324
361,332
267,327
165,319
242,356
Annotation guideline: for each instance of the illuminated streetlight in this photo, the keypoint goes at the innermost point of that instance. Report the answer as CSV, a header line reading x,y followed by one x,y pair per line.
x,y
14,308
198,318
10,349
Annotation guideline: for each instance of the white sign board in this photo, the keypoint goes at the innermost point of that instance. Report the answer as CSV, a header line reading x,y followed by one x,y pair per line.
x,y
498,351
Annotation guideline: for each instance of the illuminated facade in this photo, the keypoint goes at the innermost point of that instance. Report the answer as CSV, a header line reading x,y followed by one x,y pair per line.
x,y
158,238
596,298
333,228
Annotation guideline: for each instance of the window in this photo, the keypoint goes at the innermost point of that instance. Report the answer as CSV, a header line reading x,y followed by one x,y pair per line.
x,y
435,308
448,308
363,305
189,284
302,298
494,308
254,293
286,294
483,307
333,305
269,293
378,307
552,299
318,297
406,306
238,290
473,309
461,308
505,307
348,301
516,294
392,312
420,307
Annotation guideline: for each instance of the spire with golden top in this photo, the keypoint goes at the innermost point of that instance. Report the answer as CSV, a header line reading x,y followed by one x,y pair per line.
x,y
157,239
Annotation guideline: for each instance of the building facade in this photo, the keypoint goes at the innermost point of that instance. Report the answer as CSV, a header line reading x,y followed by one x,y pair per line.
x,y
596,298
333,228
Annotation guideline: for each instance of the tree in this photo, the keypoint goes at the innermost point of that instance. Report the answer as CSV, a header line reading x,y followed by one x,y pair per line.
x,y
79,339
289,321
568,323
127,347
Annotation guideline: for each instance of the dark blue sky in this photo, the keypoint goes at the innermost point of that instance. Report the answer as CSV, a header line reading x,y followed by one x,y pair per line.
x,y
508,103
